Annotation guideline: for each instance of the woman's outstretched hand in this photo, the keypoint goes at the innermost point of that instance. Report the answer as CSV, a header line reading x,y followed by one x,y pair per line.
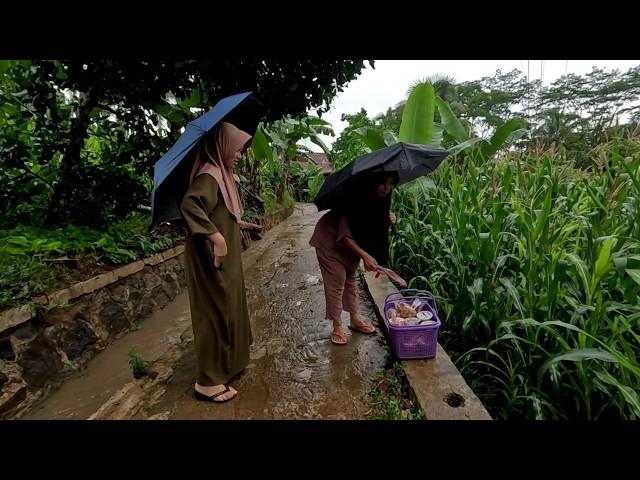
x,y
370,263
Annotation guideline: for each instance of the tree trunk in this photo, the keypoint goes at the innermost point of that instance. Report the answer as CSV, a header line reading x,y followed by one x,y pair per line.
x,y
63,191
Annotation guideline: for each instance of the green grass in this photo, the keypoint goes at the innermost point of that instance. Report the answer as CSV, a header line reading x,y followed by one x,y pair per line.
x,y
139,367
389,399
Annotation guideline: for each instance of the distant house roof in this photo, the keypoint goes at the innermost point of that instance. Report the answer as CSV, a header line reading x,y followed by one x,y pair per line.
x,y
320,159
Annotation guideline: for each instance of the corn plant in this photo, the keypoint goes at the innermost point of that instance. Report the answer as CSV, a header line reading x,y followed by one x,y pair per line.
x,y
536,266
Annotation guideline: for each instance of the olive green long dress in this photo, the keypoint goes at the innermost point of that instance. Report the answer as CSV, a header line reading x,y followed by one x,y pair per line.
x,y
219,315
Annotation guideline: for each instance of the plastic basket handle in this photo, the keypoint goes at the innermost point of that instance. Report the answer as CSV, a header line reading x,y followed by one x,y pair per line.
x,y
411,292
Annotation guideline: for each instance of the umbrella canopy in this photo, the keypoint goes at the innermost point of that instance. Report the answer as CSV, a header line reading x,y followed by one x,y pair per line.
x,y
171,172
408,160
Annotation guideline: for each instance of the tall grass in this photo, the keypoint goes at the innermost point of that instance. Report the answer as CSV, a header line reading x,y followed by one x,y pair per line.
x,y
537,267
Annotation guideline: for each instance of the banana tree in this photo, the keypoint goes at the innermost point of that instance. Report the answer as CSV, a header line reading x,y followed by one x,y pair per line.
x,y
277,146
419,126
288,132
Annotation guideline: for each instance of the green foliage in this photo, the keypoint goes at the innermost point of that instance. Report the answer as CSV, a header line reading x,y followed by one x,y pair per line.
x,y
419,126
350,143
139,367
27,253
278,172
79,139
535,264
389,399
575,113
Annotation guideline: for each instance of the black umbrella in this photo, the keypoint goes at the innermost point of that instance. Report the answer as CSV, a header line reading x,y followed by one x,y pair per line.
x,y
408,160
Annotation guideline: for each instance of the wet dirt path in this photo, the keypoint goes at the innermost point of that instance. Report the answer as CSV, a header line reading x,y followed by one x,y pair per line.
x,y
295,371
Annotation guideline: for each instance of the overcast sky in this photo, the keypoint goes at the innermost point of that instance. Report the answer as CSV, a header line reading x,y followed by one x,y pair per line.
x,y
379,88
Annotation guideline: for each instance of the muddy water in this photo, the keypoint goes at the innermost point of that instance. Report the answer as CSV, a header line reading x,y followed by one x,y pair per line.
x,y
295,372
109,371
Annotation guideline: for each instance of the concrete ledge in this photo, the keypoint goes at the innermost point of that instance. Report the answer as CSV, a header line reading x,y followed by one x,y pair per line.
x,y
15,316
438,386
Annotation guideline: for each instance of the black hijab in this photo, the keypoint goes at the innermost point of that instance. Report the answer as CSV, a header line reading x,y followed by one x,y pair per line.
x,y
368,214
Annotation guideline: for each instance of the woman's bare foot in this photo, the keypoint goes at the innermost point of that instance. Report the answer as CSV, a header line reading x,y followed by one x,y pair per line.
x,y
338,336
358,324
215,390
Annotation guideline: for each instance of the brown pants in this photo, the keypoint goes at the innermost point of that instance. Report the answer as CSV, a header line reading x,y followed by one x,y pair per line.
x,y
340,285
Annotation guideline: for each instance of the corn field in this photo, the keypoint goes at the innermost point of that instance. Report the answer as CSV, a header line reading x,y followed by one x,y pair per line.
x,y
536,265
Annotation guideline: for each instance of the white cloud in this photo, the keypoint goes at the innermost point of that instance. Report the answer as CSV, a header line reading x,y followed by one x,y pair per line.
x,y
377,89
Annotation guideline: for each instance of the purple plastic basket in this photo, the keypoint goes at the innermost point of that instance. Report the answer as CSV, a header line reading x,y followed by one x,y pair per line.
x,y
415,341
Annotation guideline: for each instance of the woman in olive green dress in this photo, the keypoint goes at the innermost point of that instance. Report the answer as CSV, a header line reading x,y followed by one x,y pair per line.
x,y
212,210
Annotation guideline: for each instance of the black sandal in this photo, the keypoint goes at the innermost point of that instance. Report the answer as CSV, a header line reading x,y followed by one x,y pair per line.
x,y
211,398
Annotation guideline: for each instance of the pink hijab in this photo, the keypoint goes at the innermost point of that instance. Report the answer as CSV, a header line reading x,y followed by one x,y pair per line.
x,y
211,158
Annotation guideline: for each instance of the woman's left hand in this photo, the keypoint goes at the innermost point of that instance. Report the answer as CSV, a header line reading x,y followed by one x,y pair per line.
x,y
392,218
